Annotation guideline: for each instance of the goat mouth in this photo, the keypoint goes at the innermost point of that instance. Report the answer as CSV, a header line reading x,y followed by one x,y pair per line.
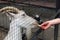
x,y
36,24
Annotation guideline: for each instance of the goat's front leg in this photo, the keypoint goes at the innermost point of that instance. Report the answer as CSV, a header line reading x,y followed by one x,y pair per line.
x,y
28,33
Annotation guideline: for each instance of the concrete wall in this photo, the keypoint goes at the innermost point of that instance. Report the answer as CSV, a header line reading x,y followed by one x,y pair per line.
x,y
4,20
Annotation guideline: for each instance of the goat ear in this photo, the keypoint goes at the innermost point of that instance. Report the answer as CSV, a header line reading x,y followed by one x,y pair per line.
x,y
10,15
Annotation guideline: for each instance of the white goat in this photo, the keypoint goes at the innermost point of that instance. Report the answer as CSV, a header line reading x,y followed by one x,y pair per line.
x,y
18,19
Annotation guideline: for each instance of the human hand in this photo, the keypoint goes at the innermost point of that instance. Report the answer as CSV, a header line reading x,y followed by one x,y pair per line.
x,y
49,23
46,25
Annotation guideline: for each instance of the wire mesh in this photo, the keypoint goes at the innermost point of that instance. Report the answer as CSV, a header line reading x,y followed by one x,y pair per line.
x,y
18,21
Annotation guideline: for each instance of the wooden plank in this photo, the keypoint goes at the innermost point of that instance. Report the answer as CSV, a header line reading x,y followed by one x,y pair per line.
x,y
4,2
36,3
45,4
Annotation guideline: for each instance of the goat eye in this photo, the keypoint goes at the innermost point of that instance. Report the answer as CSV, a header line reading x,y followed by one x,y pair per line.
x,y
23,14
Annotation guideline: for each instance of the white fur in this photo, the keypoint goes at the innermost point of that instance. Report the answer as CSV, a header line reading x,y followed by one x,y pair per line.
x,y
18,21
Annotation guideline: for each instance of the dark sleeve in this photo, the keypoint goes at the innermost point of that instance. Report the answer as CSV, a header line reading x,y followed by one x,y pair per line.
x,y
58,8
58,14
57,4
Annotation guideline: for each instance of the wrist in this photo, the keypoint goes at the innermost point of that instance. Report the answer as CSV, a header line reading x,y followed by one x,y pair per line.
x,y
55,21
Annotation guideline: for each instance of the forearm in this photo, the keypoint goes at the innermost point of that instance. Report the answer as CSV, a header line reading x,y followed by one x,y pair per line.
x,y
56,21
